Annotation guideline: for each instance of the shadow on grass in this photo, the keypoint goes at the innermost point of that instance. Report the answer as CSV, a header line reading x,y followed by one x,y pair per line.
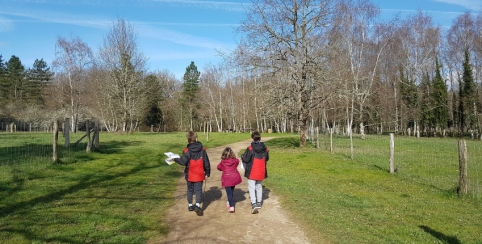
x,y
85,182
442,237
31,236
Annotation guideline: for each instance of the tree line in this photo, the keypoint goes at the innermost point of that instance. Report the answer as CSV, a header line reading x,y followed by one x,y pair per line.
x,y
327,63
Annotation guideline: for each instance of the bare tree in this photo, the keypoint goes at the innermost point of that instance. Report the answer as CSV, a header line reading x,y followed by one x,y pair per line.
x,y
72,59
126,65
285,36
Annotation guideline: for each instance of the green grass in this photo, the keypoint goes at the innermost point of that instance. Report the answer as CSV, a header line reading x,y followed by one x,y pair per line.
x,y
343,201
115,194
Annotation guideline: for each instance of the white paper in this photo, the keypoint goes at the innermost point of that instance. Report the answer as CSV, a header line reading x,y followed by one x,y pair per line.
x,y
170,157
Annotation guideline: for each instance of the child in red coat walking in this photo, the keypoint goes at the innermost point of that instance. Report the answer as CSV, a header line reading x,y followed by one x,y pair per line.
x,y
231,176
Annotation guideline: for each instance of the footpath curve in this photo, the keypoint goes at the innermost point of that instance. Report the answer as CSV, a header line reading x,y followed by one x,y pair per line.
x,y
270,225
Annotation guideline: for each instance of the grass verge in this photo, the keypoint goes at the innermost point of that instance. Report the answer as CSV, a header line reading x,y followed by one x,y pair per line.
x,y
343,201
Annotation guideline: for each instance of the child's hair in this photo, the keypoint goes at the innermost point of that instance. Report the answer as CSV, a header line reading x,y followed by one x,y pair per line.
x,y
228,153
191,137
256,136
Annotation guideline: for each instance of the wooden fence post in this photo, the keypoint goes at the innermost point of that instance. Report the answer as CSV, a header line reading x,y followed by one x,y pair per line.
x,y
67,132
331,139
88,136
462,189
96,134
392,153
56,137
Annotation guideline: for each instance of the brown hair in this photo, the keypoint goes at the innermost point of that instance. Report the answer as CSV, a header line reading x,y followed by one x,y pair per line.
x,y
228,153
256,136
191,137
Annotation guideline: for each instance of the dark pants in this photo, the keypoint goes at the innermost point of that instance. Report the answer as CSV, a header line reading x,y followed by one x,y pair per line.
x,y
194,188
229,192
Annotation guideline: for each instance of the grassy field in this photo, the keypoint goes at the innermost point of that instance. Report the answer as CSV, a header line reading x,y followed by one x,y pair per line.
x,y
119,193
343,201
115,194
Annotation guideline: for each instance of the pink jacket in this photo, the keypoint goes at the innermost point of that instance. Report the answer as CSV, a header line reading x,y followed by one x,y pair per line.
x,y
231,176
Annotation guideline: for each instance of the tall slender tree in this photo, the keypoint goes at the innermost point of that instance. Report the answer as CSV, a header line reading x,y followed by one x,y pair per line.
x,y
468,92
439,97
190,88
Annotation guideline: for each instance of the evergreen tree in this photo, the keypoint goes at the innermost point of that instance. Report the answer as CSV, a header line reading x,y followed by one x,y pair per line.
x,y
2,79
426,106
154,98
190,88
409,93
439,97
38,78
14,82
468,94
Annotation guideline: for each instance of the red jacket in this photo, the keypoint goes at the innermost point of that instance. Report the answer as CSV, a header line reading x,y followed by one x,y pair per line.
x,y
231,176
196,160
255,158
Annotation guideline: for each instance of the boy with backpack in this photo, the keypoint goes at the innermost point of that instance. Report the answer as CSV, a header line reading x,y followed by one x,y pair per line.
x,y
255,158
198,168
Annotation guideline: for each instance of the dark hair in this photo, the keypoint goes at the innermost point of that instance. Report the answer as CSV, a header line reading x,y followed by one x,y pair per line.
x,y
256,136
191,137
228,153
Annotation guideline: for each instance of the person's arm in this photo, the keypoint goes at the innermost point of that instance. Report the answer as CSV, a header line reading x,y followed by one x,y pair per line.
x,y
184,158
207,164
267,155
220,166
246,157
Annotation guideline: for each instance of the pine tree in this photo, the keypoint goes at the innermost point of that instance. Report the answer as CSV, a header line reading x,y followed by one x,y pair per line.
x,y
409,93
38,78
439,97
190,88
468,94
14,79
154,98
426,106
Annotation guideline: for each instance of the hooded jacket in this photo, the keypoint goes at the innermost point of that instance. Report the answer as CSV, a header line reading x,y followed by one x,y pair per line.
x,y
231,176
255,158
196,160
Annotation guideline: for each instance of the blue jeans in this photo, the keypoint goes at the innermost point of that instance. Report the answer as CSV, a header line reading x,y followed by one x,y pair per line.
x,y
229,193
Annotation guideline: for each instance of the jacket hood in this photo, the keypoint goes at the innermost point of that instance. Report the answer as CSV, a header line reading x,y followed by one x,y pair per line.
x,y
230,161
195,147
258,146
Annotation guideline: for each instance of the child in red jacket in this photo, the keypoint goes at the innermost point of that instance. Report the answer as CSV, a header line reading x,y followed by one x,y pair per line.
x,y
231,176
255,158
198,168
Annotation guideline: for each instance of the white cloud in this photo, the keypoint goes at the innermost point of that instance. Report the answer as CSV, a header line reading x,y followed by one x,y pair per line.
x,y
179,37
5,24
470,4
3,44
147,29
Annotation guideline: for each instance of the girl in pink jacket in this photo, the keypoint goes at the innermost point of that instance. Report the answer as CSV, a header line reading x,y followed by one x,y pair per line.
x,y
231,176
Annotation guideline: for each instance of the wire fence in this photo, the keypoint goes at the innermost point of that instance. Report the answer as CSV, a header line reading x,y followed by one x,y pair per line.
x,y
27,148
432,162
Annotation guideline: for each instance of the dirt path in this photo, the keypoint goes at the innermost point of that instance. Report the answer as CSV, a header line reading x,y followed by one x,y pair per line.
x,y
270,225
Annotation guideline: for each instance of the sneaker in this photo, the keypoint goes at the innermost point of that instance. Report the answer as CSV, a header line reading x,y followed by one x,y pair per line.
x,y
254,208
190,208
258,205
227,204
231,209
198,210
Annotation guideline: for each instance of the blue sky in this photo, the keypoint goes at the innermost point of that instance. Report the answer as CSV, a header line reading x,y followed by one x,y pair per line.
x,y
171,33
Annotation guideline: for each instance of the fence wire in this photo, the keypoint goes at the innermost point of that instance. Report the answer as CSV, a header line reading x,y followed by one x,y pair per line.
x,y
432,162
